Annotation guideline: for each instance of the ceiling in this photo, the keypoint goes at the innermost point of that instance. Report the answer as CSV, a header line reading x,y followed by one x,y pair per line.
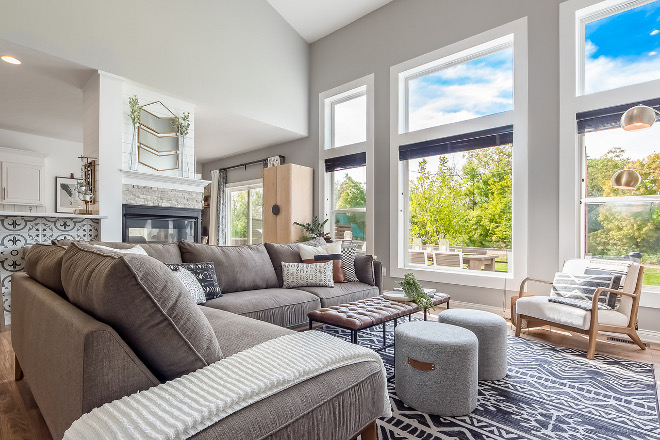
x,y
314,19
239,105
42,96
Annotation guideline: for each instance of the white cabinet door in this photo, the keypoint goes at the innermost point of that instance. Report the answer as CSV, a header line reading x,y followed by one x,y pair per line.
x,y
22,184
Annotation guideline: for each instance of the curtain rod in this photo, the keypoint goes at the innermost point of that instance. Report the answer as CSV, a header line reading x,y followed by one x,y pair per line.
x,y
254,162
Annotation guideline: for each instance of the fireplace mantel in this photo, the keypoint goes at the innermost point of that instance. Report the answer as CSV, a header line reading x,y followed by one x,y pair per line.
x,y
167,182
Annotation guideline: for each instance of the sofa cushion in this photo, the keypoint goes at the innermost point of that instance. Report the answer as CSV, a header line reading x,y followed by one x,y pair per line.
x,y
342,293
287,253
237,332
238,268
540,307
144,302
364,269
43,263
165,253
283,307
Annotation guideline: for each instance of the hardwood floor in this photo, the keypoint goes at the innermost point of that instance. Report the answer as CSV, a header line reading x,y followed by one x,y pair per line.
x,y
20,417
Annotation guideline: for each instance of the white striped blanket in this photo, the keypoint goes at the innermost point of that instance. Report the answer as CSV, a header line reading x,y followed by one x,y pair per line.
x,y
185,406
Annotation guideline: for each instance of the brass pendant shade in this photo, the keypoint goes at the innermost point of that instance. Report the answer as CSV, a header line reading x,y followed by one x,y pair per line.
x,y
638,117
626,179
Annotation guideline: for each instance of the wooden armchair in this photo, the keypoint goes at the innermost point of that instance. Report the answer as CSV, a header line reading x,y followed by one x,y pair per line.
x,y
537,311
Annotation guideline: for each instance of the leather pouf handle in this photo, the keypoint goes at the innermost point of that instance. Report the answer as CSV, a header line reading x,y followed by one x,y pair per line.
x,y
419,365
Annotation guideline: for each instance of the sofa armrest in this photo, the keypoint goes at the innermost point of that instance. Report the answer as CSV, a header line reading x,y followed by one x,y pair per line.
x,y
72,362
378,275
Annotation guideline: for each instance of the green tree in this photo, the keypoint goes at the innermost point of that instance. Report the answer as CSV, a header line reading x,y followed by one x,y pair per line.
x,y
351,194
239,213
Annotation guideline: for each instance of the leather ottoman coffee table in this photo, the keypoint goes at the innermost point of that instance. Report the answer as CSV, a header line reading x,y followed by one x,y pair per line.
x,y
366,313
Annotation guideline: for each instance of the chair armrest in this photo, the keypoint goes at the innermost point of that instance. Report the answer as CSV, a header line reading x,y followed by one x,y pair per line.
x,y
524,282
594,302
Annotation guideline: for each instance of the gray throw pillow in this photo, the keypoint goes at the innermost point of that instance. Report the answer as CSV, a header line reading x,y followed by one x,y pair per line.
x,y
364,269
143,301
583,288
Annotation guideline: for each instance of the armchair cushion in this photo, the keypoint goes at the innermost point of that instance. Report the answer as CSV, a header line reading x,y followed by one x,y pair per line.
x,y
540,307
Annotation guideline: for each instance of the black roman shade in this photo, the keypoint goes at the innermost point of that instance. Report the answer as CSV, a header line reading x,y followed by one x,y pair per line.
x,y
608,117
345,162
454,144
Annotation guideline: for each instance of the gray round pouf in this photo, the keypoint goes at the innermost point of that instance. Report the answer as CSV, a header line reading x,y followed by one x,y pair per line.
x,y
491,332
436,367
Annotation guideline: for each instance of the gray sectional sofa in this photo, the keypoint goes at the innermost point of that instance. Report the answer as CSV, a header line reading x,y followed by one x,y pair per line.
x,y
76,358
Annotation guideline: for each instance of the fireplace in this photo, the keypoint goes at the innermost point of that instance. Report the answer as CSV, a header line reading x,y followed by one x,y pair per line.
x,y
156,224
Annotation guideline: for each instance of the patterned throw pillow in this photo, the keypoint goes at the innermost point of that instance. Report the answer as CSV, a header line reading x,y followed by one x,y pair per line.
x,y
205,274
191,284
348,263
337,271
307,275
582,288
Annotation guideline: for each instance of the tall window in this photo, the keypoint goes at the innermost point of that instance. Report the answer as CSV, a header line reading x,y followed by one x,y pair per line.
x,y
245,214
616,67
348,187
620,45
618,222
459,137
345,152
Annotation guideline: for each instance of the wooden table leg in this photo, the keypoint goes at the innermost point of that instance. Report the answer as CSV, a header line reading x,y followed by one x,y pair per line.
x,y
370,432
475,265
490,265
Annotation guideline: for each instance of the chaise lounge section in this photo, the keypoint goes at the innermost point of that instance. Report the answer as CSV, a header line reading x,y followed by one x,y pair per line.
x,y
74,362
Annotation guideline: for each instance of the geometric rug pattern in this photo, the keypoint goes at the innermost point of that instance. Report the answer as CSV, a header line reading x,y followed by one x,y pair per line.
x,y
549,393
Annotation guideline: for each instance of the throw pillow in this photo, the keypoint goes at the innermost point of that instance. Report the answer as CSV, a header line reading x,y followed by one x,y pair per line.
x,y
364,269
191,284
307,275
141,299
308,252
583,287
348,263
337,270
205,275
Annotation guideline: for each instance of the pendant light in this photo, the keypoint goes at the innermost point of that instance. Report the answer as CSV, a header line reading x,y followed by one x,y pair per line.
x,y
638,117
626,179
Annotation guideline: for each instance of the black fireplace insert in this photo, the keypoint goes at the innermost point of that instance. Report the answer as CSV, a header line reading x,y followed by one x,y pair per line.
x,y
157,224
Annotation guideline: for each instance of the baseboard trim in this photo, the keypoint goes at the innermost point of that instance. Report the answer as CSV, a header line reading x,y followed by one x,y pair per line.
x,y
485,308
649,336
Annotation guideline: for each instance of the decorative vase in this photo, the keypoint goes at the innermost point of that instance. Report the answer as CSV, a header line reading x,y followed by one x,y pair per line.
x,y
132,156
183,166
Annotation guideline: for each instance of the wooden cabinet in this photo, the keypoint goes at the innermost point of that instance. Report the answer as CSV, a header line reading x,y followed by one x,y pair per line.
x,y
290,188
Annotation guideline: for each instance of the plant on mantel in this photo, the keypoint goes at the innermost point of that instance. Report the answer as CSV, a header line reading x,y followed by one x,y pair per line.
x,y
182,125
134,115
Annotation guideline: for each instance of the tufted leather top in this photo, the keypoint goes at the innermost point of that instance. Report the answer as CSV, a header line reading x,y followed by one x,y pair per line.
x,y
365,313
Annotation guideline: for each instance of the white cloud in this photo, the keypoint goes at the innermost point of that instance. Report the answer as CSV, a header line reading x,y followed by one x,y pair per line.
x,y
655,31
434,105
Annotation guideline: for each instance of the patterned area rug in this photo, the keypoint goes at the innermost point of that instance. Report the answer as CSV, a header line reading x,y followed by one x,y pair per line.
x,y
549,393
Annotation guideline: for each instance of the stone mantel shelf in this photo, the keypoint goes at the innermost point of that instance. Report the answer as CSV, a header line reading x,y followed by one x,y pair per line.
x,y
168,182
48,215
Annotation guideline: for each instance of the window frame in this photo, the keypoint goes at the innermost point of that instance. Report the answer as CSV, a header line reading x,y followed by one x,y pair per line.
x,y
242,186
571,145
362,86
399,171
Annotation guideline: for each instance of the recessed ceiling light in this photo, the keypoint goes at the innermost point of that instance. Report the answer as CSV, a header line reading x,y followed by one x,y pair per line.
x,y
10,59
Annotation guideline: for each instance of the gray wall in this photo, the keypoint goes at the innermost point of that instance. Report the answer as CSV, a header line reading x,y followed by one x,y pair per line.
x,y
405,29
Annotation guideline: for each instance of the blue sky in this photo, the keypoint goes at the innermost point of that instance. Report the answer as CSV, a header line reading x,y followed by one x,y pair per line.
x,y
476,88
623,49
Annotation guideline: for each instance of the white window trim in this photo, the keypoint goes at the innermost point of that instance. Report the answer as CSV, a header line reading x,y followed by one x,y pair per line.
x,y
338,94
572,15
241,186
399,171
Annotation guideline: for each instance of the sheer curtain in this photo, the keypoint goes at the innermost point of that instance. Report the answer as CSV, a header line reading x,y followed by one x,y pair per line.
x,y
218,208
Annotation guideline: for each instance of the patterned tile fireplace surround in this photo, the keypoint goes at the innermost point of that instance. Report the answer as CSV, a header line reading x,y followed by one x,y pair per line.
x,y
18,232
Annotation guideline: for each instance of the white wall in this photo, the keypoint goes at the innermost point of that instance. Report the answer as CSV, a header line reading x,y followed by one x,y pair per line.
x,y
240,60
61,161
405,29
